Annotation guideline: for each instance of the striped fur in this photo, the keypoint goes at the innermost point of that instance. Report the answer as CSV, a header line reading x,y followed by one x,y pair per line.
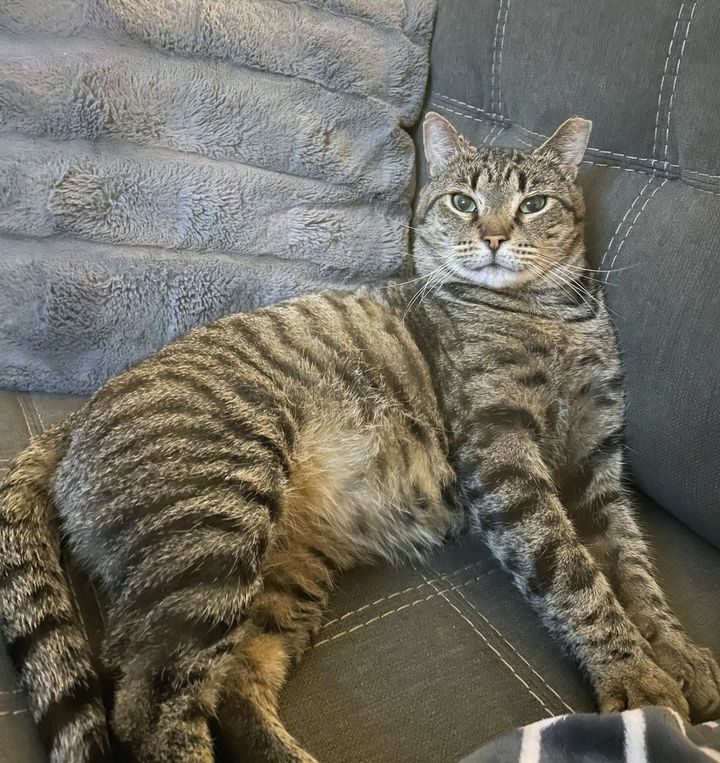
x,y
217,488
37,615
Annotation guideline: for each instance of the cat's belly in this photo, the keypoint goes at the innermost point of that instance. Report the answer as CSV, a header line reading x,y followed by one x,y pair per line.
x,y
369,492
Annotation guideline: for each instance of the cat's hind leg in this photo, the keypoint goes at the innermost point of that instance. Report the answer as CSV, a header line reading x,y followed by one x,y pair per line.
x,y
249,726
161,712
194,571
217,691
282,620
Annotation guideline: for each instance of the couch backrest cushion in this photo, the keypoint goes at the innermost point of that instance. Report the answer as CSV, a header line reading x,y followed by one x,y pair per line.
x,y
646,73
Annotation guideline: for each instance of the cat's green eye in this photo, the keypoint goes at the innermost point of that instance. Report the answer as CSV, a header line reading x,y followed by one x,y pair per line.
x,y
463,203
533,204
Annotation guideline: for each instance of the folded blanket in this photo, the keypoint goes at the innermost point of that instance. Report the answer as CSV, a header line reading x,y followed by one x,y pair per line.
x,y
650,735
165,162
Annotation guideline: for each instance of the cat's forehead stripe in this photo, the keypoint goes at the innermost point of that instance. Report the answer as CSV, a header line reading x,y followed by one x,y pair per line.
x,y
505,166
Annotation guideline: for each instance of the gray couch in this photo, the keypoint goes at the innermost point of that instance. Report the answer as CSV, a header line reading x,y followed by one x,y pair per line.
x,y
425,664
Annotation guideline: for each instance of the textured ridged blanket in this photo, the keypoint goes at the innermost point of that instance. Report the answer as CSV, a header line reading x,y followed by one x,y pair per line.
x,y
166,162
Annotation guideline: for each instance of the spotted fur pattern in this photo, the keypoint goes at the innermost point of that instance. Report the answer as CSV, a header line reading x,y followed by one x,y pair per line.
x,y
217,488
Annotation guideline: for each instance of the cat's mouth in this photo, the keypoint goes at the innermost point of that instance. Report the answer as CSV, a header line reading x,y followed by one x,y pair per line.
x,y
494,266
491,261
492,274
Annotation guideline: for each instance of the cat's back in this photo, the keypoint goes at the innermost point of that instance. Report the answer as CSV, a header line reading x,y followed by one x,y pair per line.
x,y
244,396
341,344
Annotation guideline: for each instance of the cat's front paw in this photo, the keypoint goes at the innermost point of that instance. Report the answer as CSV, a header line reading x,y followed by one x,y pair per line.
x,y
638,683
695,670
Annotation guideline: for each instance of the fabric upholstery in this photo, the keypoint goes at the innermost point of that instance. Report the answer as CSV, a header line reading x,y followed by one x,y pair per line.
x,y
508,73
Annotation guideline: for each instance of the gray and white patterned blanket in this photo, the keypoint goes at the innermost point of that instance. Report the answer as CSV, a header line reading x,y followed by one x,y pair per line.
x,y
166,162
650,735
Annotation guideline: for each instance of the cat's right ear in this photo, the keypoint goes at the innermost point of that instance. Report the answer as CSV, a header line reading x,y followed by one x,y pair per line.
x,y
568,144
441,140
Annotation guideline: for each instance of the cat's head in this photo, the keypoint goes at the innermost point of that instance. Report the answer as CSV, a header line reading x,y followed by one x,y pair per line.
x,y
500,218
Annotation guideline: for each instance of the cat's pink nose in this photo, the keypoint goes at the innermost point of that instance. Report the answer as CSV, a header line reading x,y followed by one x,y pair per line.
x,y
494,241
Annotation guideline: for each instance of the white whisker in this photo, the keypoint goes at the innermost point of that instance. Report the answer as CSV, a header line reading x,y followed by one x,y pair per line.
x,y
402,283
405,225
577,287
558,284
416,299
435,277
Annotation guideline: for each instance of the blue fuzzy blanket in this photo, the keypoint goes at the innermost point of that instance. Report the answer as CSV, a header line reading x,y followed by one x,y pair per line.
x,y
166,162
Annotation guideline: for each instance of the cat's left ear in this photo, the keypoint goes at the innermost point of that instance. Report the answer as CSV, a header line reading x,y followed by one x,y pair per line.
x,y
441,140
568,143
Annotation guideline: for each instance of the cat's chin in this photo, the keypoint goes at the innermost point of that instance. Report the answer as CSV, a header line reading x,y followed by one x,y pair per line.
x,y
491,276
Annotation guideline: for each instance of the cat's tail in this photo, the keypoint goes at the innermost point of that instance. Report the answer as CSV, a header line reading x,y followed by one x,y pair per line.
x,y
45,637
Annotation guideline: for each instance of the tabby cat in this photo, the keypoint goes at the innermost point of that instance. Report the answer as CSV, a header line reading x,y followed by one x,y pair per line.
x,y
215,489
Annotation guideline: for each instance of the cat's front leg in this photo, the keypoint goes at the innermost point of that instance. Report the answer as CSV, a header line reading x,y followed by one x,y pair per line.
x,y
603,516
515,506
627,562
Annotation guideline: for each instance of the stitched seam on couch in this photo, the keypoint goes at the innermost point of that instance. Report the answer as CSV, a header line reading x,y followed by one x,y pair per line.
x,y
32,422
500,640
402,608
632,224
675,78
12,702
622,221
490,119
496,69
395,594
9,701
503,644
662,84
474,627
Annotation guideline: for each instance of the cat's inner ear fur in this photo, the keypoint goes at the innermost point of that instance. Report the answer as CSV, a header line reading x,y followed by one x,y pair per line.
x,y
568,143
441,140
